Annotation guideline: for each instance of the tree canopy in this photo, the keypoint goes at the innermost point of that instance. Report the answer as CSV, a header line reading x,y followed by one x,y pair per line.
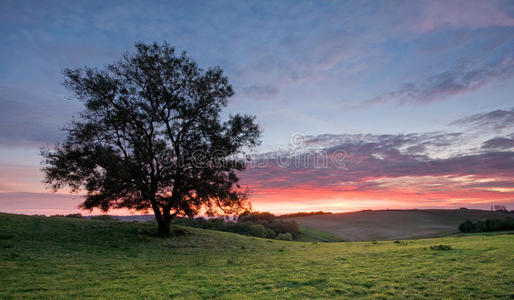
x,y
151,136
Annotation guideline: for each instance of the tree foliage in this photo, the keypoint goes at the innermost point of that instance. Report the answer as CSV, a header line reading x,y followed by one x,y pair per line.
x,y
151,137
260,224
487,225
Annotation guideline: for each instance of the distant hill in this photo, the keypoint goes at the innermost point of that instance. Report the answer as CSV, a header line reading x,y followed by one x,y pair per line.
x,y
395,224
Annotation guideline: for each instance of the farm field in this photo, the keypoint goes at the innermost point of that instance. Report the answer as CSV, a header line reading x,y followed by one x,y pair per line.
x,y
394,224
57,257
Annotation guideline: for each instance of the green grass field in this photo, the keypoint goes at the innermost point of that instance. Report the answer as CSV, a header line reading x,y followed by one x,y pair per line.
x,y
63,258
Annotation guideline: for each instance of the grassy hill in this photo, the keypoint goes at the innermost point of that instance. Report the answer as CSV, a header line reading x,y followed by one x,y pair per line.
x,y
394,224
59,257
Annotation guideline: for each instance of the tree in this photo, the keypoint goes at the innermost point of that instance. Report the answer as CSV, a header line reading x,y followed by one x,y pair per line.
x,y
151,137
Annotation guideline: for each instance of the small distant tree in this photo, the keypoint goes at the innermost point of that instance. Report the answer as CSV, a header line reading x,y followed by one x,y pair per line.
x,y
467,226
151,137
499,208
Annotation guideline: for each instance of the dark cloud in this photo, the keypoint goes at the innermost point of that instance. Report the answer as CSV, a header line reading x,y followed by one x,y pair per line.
x,y
414,143
498,143
497,120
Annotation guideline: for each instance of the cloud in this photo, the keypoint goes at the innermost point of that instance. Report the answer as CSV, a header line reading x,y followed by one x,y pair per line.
x,y
496,120
346,171
498,143
261,92
464,13
15,177
38,203
376,156
460,78
46,203
30,120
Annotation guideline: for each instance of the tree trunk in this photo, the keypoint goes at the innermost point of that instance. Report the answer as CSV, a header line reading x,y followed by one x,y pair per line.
x,y
164,228
162,221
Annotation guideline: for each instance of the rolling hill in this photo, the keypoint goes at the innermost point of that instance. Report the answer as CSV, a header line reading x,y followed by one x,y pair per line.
x,y
394,224
69,258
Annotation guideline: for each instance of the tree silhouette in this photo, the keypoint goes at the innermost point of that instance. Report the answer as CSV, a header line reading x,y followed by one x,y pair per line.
x,y
151,137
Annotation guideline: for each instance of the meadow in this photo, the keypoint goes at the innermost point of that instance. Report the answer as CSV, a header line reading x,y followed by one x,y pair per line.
x,y
58,257
369,225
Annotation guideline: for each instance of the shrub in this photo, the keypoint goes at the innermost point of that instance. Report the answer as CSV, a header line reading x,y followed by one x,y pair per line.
x,y
441,247
264,225
280,226
78,216
257,230
103,218
467,226
285,236
487,225
248,216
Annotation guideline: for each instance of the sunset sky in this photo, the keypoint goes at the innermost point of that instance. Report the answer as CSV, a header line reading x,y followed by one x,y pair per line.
x,y
363,104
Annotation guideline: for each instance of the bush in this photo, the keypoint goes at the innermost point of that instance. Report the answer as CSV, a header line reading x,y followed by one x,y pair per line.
x,y
258,217
467,226
66,216
78,216
103,218
285,236
256,230
487,225
265,225
441,247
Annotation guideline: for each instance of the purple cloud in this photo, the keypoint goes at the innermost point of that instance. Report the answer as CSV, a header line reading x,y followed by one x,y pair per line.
x,y
368,157
499,143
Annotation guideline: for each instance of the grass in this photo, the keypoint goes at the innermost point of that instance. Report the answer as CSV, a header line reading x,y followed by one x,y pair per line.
x,y
395,224
308,234
76,258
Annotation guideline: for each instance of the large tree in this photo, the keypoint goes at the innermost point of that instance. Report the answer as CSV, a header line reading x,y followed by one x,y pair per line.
x,y
151,137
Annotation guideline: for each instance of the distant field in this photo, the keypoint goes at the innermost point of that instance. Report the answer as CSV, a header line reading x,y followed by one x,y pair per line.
x,y
394,224
77,258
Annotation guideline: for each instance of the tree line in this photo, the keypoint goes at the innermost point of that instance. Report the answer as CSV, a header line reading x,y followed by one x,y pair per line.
x,y
259,224
487,225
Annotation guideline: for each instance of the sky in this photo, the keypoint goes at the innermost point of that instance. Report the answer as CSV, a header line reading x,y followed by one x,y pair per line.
x,y
363,104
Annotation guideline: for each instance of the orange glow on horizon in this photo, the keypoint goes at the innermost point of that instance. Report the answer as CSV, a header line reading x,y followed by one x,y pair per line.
x,y
388,192
406,192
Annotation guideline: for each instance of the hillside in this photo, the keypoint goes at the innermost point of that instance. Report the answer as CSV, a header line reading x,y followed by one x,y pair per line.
x,y
394,224
59,257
